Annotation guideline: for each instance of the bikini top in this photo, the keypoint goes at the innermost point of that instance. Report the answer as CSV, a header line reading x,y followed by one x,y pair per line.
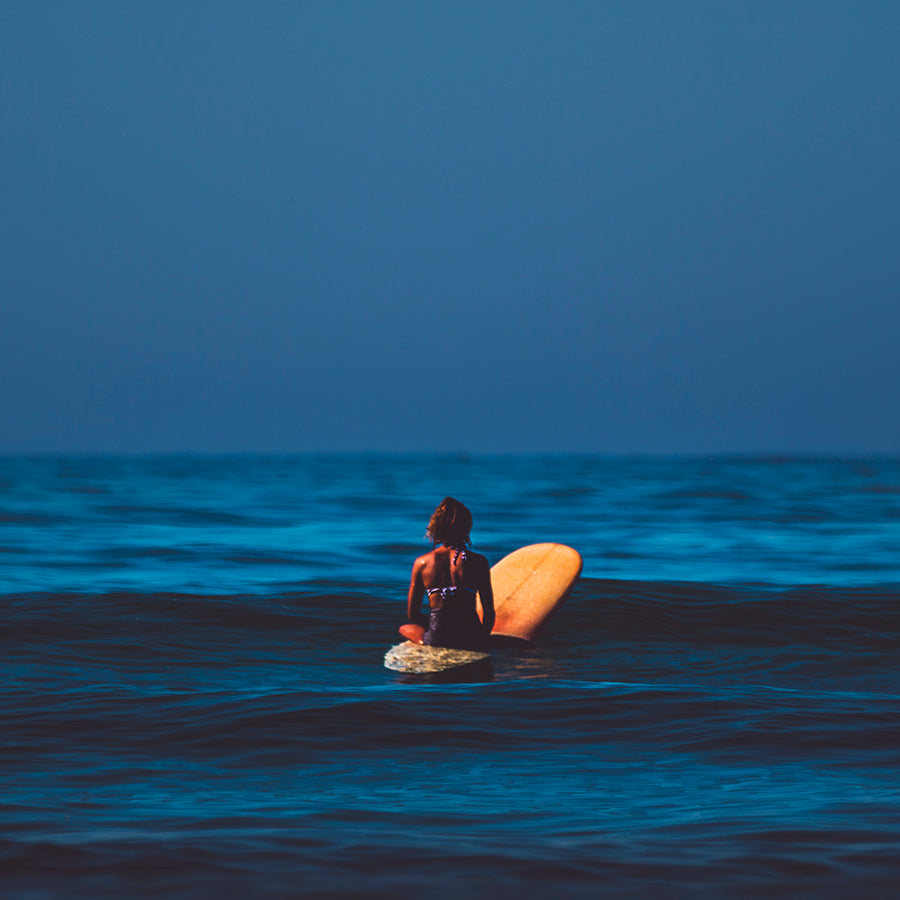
x,y
453,588
445,591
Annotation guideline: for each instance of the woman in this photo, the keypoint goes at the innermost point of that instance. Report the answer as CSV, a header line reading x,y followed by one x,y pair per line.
x,y
450,576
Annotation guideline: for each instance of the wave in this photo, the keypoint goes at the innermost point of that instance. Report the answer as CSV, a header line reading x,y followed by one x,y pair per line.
x,y
761,615
850,620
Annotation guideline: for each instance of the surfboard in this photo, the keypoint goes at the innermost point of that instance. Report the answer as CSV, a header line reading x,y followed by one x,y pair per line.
x,y
417,659
529,585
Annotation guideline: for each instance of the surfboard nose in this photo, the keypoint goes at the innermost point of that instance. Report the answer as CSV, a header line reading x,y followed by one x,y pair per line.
x,y
529,585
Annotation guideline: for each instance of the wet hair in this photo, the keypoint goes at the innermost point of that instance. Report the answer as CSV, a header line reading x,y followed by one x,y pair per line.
x,y
450,524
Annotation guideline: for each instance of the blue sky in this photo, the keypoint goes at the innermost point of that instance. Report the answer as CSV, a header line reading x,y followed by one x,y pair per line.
x,y
601,227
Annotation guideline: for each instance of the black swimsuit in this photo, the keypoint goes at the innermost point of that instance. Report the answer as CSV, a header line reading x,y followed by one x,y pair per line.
x,y
456,623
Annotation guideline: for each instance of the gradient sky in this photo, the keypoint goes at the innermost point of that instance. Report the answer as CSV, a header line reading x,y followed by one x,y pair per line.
x,y
614,227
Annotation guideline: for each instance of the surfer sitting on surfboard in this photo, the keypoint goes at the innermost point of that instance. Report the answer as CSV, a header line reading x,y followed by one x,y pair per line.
x,y
450,576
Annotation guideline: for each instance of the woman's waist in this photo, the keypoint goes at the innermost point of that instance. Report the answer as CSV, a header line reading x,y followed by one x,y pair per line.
x,y
455,610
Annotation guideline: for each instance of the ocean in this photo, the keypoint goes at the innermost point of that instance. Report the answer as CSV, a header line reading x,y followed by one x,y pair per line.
x,y
195,702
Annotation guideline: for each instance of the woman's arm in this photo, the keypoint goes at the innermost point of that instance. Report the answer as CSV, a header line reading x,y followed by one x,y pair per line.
x,y
416,593
486,592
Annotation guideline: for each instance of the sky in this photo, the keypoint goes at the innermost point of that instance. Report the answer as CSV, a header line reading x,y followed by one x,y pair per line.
x,y
617,227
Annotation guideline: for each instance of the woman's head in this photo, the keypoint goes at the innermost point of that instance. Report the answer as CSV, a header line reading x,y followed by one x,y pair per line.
x,y
450,524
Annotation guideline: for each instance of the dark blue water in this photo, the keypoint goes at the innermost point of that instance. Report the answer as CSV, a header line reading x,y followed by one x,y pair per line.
x,y
195,702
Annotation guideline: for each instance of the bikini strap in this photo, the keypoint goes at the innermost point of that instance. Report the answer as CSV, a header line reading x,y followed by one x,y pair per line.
x,y
449,589
458,552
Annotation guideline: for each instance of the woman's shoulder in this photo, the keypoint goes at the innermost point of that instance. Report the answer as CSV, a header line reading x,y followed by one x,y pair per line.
x,y
424,559
478,558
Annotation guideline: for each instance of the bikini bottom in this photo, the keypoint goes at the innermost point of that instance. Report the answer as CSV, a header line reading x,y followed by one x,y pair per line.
x,y
447,628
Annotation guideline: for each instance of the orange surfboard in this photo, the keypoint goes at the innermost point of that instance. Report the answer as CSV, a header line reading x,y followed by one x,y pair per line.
x,y
529,585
